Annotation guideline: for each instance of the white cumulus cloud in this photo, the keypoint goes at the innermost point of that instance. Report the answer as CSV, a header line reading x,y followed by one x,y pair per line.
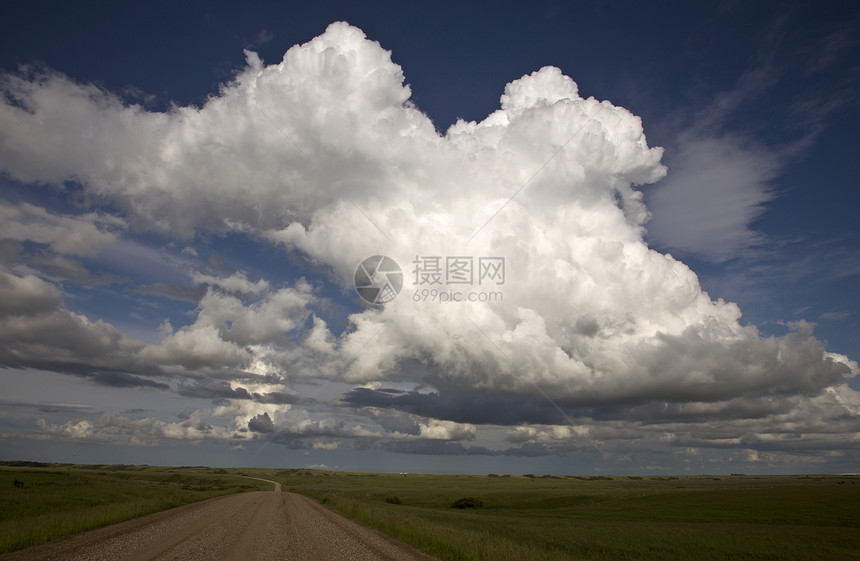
x,y
324,155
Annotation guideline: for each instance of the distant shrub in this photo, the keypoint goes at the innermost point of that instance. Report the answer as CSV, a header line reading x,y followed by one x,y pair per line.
x,y
530,475
18,483
467,502
492,475
393,500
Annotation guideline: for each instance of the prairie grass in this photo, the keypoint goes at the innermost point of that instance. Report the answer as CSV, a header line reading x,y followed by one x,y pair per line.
x,y
40,504
543,518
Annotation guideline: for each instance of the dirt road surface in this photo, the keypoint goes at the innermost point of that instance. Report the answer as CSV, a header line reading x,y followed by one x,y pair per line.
x,y
258,526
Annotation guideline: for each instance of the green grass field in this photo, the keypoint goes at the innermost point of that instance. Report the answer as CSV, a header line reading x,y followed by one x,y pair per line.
x,y
39,504
534,518
603,518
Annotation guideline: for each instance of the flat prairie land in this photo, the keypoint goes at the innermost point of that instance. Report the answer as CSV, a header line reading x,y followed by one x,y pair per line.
x,y
507,517
601,517
40,503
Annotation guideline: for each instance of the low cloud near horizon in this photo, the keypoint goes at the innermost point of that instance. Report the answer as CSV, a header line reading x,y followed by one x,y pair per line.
x,y
600,344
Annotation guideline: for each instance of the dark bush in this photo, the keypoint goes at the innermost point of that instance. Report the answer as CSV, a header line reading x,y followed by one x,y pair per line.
x,y
394,500
467,502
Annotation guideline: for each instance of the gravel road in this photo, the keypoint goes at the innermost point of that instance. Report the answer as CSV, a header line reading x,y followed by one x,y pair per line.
x,y
259,526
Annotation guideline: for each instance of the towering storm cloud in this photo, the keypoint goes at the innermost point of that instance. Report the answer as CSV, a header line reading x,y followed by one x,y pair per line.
x,y
589,335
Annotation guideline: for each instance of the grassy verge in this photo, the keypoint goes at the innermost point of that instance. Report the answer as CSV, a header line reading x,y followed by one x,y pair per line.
x,y
40,504
696,518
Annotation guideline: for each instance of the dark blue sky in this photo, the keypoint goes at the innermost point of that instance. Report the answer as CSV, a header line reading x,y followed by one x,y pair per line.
x,y
762,94
665,61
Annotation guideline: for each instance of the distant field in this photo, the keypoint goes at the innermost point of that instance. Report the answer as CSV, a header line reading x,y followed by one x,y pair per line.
x,y
536,518
602,518
38,504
